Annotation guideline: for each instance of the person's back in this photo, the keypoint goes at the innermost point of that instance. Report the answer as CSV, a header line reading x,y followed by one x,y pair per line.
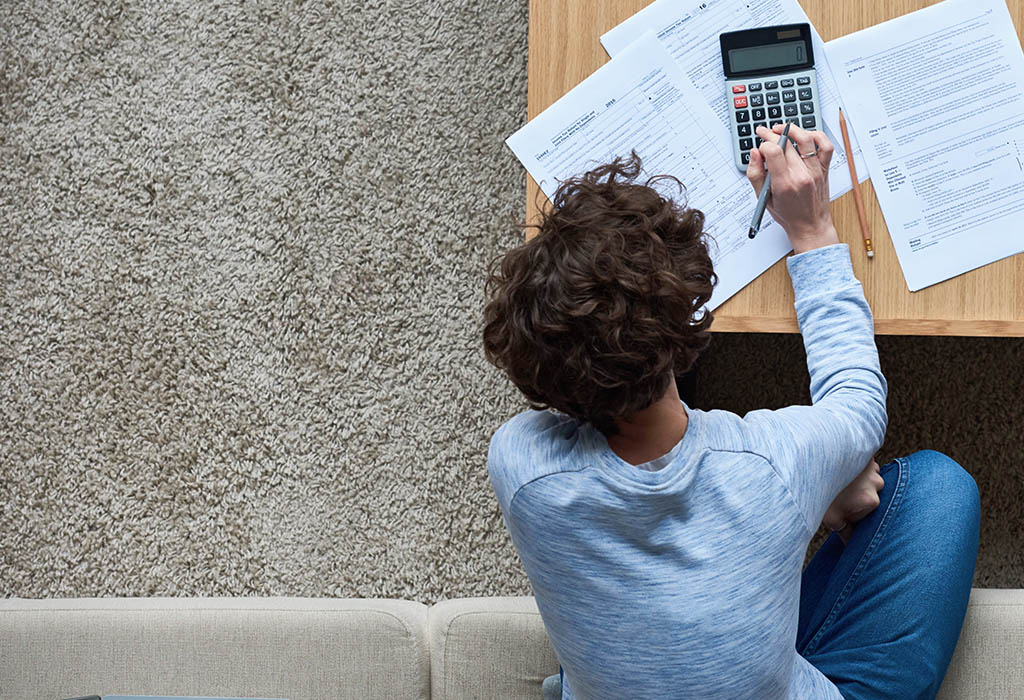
x,y
663,543
686,577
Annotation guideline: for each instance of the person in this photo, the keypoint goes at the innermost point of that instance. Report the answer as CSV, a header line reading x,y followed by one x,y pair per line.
x,y
664,544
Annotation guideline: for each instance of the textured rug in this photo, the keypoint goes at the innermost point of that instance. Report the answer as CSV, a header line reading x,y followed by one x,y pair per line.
x,y
243,248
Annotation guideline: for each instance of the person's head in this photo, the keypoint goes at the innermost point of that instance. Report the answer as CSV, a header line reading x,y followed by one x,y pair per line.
x,y
596,314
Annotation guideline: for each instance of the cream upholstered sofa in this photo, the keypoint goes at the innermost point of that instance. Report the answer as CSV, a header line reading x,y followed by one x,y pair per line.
x,y
375,649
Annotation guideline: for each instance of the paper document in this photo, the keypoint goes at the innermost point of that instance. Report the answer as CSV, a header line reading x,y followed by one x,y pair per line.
x,y
690,32
642,100
937,97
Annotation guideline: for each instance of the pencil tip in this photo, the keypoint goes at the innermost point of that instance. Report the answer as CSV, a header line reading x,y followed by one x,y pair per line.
x,y
871,253
752,232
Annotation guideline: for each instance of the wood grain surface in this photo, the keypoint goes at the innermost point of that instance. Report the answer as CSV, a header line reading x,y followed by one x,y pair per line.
x,y
565,48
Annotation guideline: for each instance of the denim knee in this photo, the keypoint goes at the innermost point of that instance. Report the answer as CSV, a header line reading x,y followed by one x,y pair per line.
x,y
947,481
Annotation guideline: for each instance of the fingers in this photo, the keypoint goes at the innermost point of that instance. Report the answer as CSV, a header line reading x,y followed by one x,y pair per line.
x,y
845,534
803,143
756,171
808,142
825,150
793,153
775,159
874,474
834,521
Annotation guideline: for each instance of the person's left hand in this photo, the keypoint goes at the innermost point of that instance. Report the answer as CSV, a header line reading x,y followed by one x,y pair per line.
x,y
855,502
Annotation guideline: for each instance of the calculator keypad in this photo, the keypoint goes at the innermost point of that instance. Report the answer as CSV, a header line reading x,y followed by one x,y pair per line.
x,y
767,103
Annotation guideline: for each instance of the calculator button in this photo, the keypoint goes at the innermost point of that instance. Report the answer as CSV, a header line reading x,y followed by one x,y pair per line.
x,y
806,108
774,123
771,85
739,88
805,93
803,81
788,96
740,102
754,87
773,98
756,100
758,114
808,123
774,112
743,116
745,157
743,129
790,110
759,125
788,82
746,144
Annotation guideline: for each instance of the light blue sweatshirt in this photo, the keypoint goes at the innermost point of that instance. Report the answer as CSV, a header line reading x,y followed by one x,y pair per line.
x,y
680,578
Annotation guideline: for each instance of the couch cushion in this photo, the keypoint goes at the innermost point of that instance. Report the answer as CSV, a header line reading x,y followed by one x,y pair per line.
x,y
295,648
986,664
497,648
488,648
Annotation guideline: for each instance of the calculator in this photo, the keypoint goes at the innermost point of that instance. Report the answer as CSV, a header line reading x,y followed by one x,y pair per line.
x,y
769,80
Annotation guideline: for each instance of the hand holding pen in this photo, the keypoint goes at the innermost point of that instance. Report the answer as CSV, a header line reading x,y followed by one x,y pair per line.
x,y
796,193
766,188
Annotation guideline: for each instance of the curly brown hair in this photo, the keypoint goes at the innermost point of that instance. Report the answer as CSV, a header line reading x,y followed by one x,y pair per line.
x,y
597,313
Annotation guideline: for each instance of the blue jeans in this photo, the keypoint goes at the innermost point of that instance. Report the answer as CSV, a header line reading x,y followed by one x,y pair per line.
x,y
881,616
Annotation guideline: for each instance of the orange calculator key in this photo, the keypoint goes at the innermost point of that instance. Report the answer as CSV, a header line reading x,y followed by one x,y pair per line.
x,y
740,102
739,88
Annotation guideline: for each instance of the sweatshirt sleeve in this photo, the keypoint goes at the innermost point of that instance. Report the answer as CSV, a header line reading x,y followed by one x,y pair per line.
x,y
818,449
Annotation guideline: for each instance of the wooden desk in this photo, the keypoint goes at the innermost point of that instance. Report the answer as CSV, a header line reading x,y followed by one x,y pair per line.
x,y
565,48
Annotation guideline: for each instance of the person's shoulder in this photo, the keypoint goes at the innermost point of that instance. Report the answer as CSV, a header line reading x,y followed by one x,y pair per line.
x,y
725,431
528,446
529,426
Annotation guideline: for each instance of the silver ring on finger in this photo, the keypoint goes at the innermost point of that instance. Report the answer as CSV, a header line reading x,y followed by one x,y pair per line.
x,y
809,155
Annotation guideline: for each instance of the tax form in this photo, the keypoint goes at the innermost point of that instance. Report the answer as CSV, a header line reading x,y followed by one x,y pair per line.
x,y
642,100
937,97
690,32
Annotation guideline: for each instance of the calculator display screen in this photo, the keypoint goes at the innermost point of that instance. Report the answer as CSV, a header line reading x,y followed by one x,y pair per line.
x,y
765,50
752,58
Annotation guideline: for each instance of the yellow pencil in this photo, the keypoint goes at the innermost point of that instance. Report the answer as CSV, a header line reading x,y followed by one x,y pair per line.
x,y
856,187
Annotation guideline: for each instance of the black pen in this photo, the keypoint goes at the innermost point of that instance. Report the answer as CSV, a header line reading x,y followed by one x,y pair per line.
x,y
755,225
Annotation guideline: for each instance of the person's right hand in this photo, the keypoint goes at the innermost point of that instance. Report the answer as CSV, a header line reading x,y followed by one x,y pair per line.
x,y
799,198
